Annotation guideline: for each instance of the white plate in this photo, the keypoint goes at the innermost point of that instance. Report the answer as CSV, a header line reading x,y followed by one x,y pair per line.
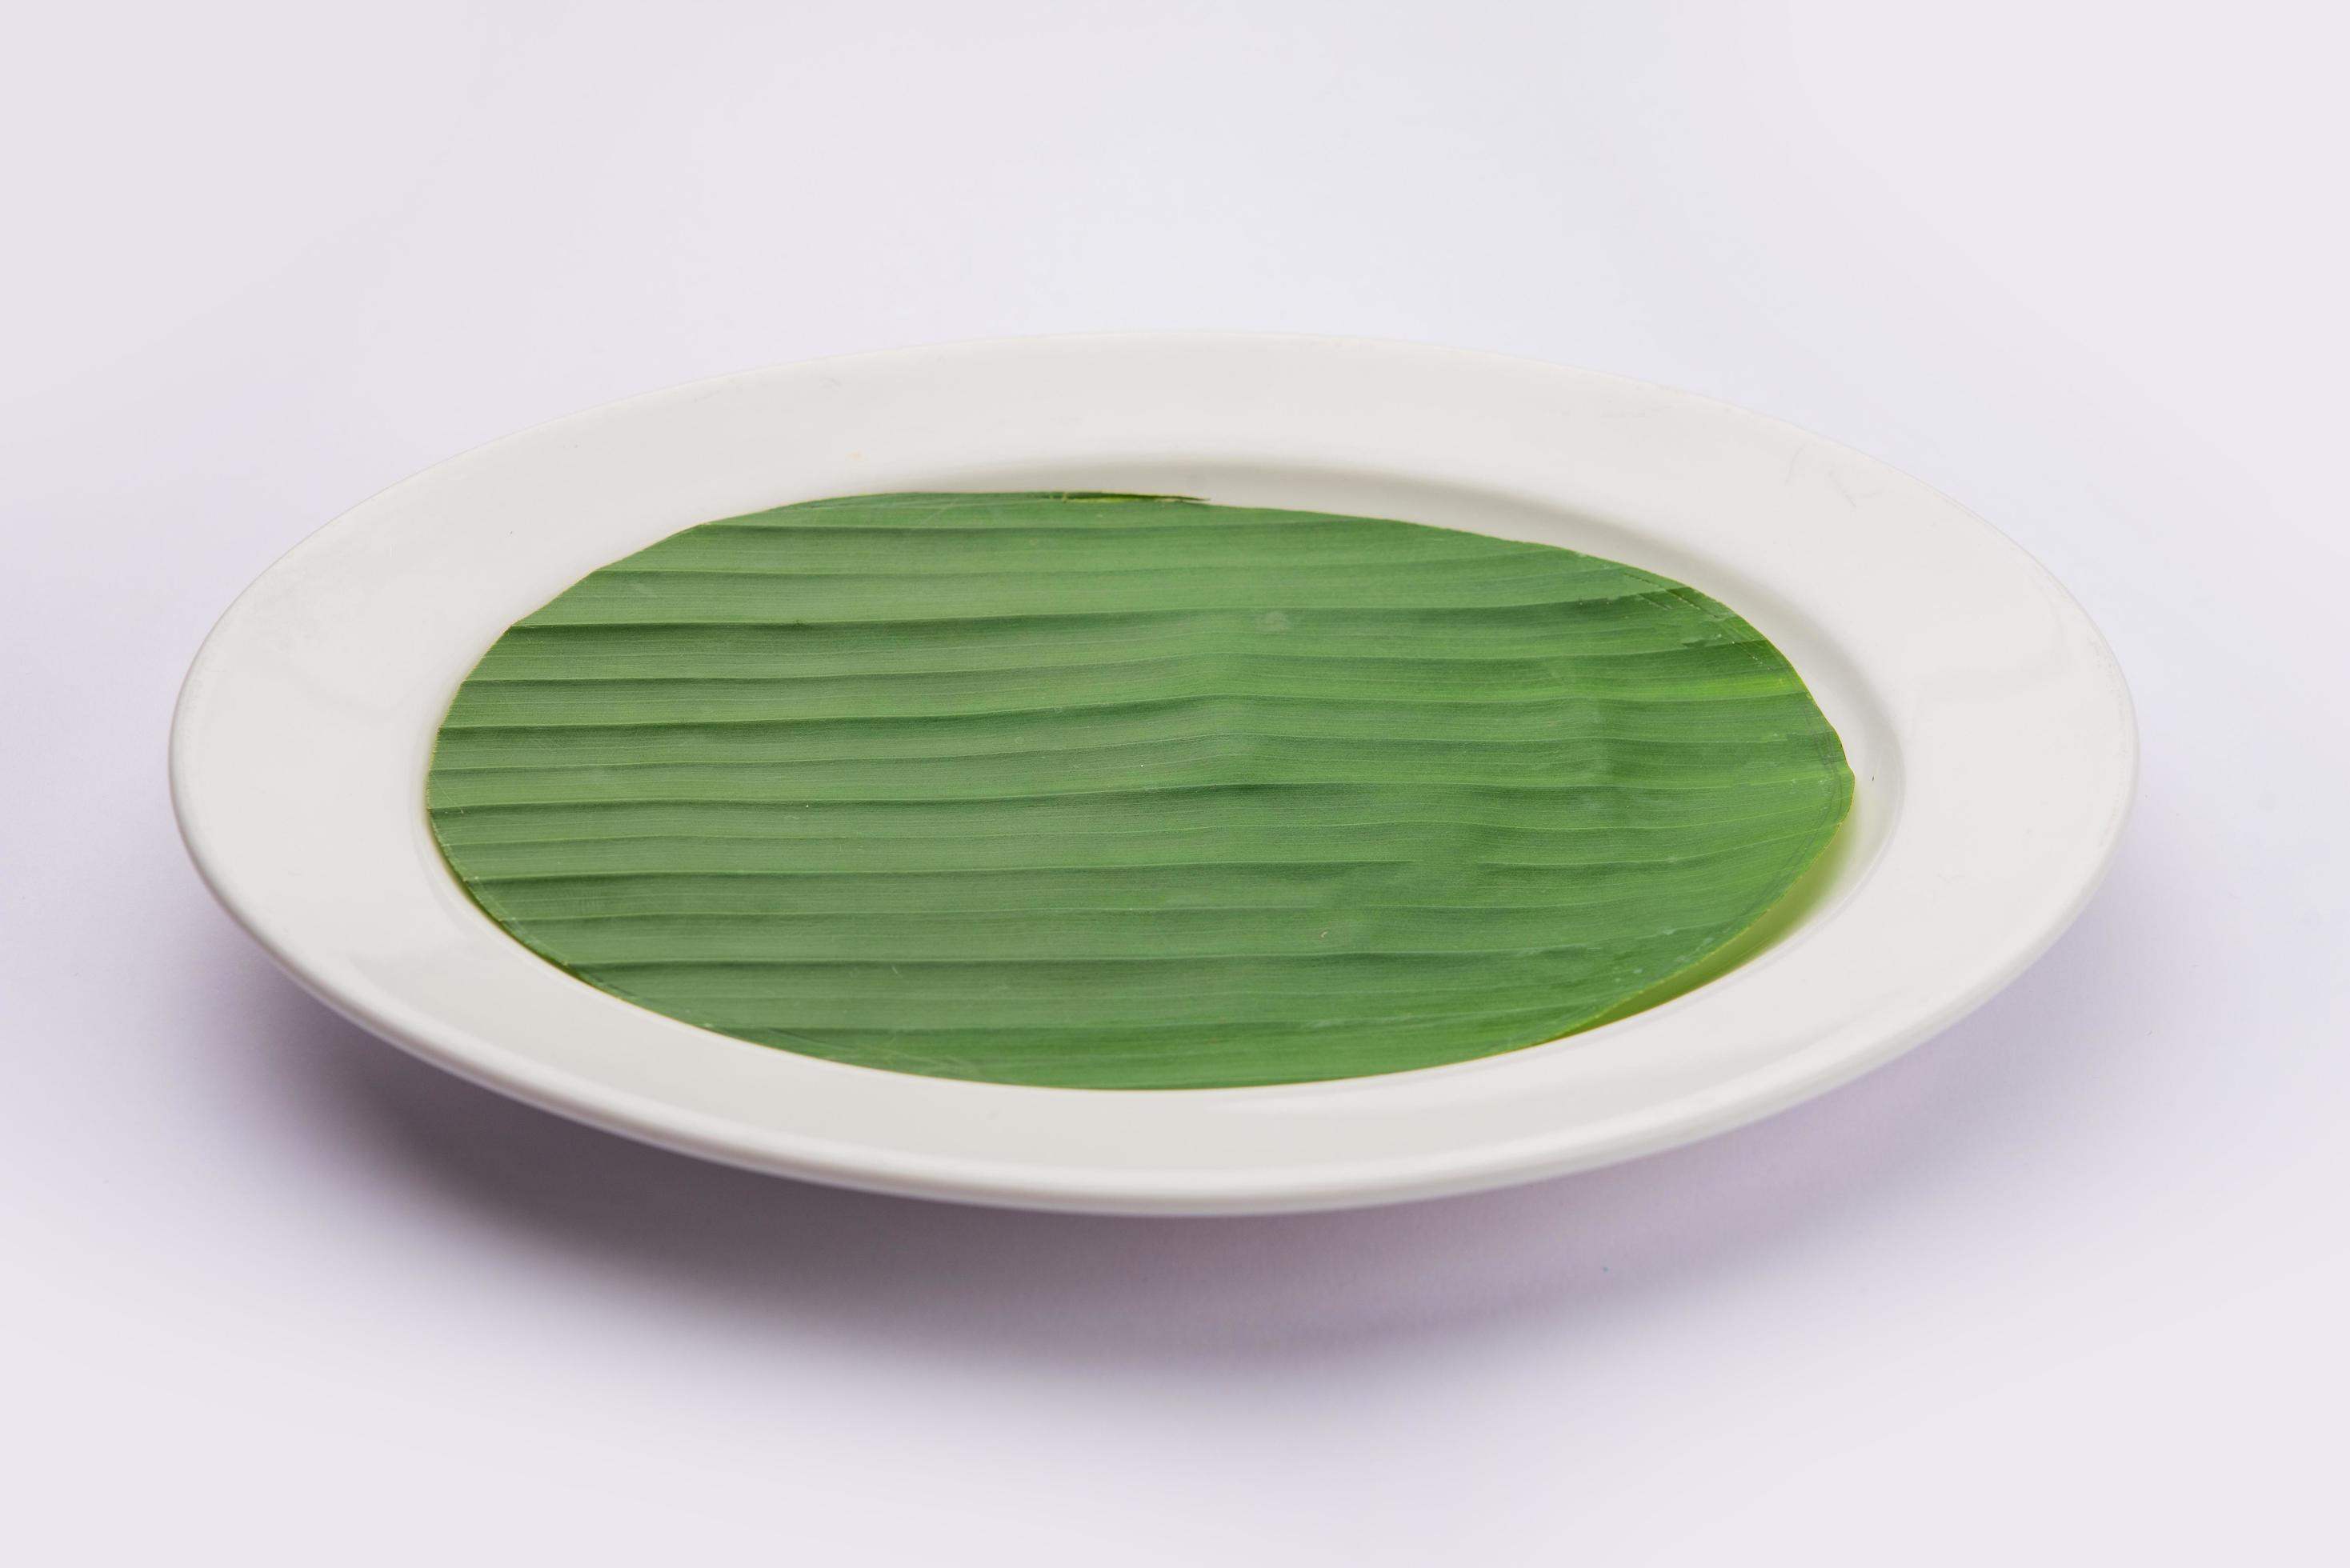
x,y
1988,728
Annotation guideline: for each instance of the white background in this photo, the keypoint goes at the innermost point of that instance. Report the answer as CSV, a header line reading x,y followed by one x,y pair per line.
x,y
2066,1285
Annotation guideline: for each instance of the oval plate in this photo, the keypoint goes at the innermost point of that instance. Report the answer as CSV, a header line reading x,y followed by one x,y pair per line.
x,y
1988,729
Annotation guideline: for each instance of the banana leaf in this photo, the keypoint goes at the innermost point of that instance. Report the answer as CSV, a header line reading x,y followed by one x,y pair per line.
x,y
1130,792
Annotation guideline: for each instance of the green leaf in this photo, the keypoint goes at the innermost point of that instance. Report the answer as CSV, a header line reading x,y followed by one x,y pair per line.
x,y
1130,792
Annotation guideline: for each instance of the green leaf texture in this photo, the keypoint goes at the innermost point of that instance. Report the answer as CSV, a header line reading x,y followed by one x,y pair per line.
x,y
1128,792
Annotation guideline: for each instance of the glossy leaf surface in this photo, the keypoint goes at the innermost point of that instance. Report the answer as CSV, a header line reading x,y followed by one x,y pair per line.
x,y
1125,792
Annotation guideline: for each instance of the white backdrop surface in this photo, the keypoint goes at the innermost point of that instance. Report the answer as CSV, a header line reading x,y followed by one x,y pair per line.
x,y
2066,1284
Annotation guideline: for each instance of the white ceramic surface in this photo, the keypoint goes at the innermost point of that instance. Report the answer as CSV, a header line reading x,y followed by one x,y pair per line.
x,y
1988,728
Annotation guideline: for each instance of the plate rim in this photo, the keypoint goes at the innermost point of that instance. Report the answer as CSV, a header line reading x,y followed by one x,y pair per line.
x,y
1060,1184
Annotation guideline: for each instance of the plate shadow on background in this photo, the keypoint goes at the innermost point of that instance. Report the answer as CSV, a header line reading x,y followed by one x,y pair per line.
x,y
952,1280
